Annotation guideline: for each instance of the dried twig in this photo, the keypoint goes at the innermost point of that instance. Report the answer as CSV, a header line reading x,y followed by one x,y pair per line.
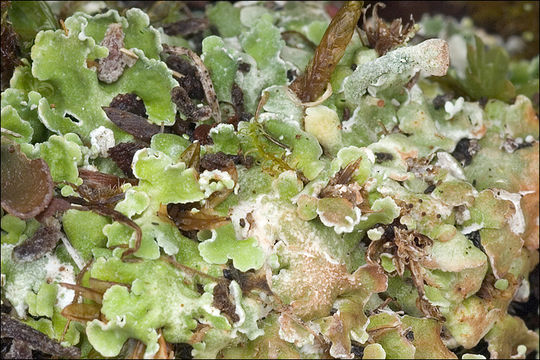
x,y
204,77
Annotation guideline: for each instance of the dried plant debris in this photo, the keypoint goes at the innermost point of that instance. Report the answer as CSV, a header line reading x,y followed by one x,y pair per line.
x,y
43,241
186,106
189,80
465,150
130,103
312,83
112,67
384,37
135,125
203,75
186,27
18,350
97,179
27,186
266,180
57,206
9,47
15,329
101,188
122,154
222,301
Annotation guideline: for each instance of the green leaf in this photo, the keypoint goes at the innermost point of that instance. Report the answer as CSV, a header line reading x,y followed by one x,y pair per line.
x,y
165,180
13,122
42,303
139,312
226,18
223,245
84,230
63,157
304,146
222,66
30,17
225,139
26,107
486,74
59,59
170,144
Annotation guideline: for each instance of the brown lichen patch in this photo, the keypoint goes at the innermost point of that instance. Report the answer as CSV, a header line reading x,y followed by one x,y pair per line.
x,y
507,334
112,67
427,338
502,246
384,37
27,186
350,316
312,282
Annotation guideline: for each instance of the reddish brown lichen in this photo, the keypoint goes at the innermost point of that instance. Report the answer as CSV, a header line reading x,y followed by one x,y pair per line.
x,y
27,186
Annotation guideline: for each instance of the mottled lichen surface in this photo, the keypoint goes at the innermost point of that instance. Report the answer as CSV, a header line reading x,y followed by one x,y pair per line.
x,y
396,215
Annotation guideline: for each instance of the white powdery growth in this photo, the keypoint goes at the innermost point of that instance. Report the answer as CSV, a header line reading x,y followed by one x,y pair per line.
x,y
215,180
517,221
102,139
60,272
453,108
397,68
447,161
341,228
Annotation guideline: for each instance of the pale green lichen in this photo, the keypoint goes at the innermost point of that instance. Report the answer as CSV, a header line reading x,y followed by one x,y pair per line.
x,y
224,245
332,207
